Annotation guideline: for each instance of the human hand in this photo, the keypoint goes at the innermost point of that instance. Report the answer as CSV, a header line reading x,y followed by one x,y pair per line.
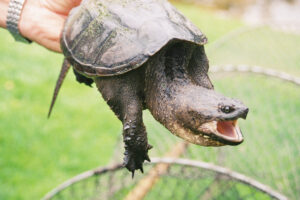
x,y
42,21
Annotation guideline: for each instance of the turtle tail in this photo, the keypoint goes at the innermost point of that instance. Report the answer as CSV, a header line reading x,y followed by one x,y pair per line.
x,y
63,72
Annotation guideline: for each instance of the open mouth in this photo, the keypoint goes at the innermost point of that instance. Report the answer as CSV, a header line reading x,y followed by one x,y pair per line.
x,y
229,131
226,132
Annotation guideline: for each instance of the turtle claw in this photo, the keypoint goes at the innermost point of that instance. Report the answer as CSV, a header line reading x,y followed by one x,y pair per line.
x,y
134,160
147,158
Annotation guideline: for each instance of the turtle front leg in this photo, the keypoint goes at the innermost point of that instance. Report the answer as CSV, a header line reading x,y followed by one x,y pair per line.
x,y
135,138
124,96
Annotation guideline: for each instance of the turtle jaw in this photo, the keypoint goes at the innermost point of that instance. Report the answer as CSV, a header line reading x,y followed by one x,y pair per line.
x,y
226,132
206,123
213,133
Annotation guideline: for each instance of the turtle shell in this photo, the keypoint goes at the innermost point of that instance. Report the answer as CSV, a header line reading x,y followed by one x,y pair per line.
x,y
111,37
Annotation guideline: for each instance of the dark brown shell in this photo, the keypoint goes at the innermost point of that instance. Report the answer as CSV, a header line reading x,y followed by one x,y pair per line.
x,y
111,37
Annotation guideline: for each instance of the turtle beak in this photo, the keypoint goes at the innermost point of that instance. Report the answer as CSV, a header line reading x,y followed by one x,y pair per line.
x,y
225,131
244,113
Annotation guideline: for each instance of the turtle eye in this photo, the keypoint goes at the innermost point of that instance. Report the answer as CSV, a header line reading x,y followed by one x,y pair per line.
x,y
227,109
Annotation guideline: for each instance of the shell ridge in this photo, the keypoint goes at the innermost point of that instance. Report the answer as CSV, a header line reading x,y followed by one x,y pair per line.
x,y
78,38
120,20
111,35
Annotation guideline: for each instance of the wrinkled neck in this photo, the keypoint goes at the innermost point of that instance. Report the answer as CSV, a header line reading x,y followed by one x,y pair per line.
x,y
162,85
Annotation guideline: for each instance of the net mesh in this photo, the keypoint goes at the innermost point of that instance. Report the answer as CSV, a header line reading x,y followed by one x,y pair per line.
x,y
180,181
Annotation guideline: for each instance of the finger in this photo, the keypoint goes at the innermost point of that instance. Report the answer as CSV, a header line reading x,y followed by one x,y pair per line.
x,y
60,7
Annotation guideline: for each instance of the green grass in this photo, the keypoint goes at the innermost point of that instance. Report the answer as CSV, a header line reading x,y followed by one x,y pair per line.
x,y
261,46
37,154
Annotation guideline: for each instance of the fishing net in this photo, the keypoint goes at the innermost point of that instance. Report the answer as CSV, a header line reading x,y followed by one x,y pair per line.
x,y
165,179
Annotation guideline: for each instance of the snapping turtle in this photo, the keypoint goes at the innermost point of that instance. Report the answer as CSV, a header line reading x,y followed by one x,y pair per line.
x,y
143,54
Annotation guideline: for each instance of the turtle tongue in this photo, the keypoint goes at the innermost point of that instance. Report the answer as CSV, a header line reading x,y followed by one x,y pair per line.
x,y
227,128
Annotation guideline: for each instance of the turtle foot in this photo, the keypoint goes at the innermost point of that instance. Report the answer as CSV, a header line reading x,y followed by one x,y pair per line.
x,y
134,159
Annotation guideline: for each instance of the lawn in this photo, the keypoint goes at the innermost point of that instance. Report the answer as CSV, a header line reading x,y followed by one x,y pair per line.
x,y
36,153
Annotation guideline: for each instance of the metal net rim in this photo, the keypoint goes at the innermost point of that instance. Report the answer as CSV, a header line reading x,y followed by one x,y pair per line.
x,y
173,161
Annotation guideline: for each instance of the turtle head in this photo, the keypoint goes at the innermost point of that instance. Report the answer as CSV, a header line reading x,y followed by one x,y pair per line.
x,y
181,97
205,117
